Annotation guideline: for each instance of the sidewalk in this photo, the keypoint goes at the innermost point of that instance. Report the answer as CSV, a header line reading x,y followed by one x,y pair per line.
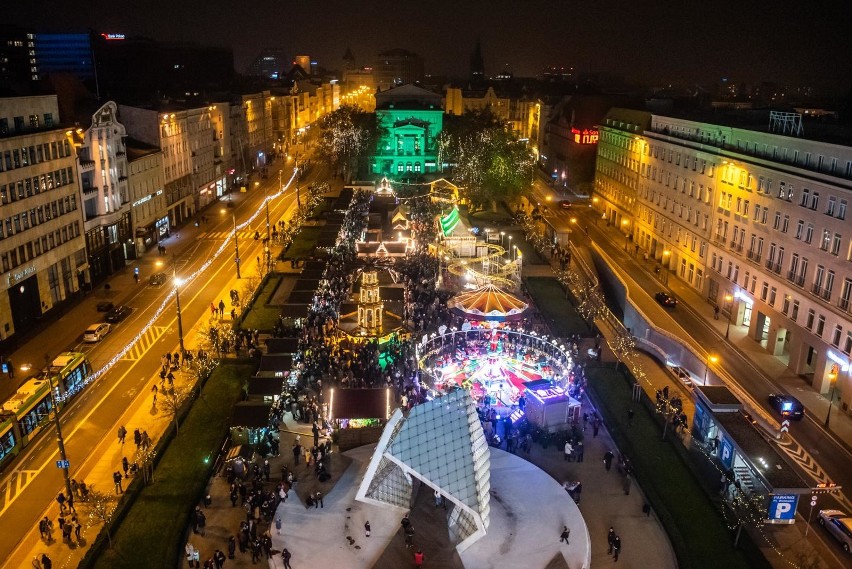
x,y
141,413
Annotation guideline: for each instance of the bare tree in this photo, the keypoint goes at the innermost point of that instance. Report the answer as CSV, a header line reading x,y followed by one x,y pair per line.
x,y
171,401
101,507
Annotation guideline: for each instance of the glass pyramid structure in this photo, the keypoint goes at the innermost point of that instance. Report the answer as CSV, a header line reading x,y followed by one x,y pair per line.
x,y
441,444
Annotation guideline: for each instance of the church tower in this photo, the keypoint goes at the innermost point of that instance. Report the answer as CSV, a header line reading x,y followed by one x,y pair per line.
x,y
477,64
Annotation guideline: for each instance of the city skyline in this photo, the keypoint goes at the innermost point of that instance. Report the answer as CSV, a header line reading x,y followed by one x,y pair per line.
x,y
640,42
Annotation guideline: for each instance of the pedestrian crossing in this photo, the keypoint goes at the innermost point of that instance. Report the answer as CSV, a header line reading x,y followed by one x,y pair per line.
x,y
226,235
19,480
144,343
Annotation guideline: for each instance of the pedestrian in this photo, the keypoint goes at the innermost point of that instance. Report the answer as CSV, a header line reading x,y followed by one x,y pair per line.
x,y
122,432
630,414
715,313
233,314
318,500
616,548
608,460
125,465
418,559
278,524
212,309
595,428
626,484
221,308
564,535
568,450
77,527
232,547
438,498
219,559
285,556
46,563
60,498
367,528
75,488
297,452
190,554
154,391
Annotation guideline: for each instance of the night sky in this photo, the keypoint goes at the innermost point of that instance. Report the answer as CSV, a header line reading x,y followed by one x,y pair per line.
x,y
647,41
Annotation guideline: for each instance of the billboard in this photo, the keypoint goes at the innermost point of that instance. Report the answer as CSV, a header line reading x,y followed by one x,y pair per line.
x,y
782,508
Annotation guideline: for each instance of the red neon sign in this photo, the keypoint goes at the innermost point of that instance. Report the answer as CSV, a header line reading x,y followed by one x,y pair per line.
x,y
585,136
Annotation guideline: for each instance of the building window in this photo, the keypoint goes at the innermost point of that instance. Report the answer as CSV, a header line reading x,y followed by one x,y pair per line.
x,y
835,337
33,121
795,313
847,347
785,307
773,292
809,323
764,291
835,244
832,205
841,210
820,325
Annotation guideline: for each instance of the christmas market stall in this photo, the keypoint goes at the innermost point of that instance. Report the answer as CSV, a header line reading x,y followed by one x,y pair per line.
x,y
549,406
358,415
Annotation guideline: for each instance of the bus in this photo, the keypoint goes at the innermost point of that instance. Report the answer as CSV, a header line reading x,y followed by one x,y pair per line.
x,y
27,412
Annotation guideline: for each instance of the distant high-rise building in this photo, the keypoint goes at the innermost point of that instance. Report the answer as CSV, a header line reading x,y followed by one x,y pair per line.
x,y
271,63
348,60
14,61
397,67
477,64
303,61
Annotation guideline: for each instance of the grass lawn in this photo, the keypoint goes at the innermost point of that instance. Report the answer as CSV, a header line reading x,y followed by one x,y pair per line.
x,y
550,299
695,527
152,533
262,316
304,242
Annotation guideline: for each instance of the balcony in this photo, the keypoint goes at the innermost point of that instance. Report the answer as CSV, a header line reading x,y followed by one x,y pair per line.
x,y
775,268
816,289
753,256
826,294
122,178
87,165
736,246
796,279
843,304
88,189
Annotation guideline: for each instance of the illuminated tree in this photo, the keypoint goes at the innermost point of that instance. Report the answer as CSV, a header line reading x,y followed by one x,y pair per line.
x,y
101,507
489,163
171,401
348,137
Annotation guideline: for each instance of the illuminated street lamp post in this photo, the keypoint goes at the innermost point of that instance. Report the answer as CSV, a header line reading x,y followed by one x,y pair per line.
x,y
178,283
624,224
63,459
711,359
730,300
236,243
832,377
666,254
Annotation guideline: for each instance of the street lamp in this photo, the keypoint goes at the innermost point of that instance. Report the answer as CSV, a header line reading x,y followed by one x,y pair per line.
x,y
178,283
832,377
510,248
59,440
711,359
666,254
236,242
730,300
624,224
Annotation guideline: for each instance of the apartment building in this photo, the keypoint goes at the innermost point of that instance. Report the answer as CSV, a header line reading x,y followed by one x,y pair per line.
x,y
42,249
147,194
102,168
753,220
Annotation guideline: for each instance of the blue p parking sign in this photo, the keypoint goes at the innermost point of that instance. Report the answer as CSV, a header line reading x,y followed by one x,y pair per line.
x,y
782,509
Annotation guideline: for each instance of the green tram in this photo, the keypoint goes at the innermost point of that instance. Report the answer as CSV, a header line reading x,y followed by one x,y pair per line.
x,y
27,412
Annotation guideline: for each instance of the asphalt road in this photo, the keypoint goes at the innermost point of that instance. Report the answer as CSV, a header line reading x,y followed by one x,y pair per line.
x,y
823,451
31,482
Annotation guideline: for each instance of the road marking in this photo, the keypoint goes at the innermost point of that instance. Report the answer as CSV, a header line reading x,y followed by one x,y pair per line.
x,y
148,339
19,480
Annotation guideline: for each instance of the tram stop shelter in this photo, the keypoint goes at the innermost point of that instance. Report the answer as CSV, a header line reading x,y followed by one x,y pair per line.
x,y
748,458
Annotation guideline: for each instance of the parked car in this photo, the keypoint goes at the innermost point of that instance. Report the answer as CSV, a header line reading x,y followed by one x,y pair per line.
x,y
838,524
787,406
96,332
666,300
118,314
157,279
565,204
105,306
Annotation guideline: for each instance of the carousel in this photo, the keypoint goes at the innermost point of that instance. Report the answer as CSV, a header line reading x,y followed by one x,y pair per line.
x,y
498,360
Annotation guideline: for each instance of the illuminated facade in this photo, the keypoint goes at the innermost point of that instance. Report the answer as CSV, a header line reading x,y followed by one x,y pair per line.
x,y
105,194
42,250
413,119
755,221
520,113
147,195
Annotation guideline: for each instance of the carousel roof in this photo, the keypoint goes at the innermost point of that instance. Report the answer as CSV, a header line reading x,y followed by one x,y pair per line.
x,y
487,303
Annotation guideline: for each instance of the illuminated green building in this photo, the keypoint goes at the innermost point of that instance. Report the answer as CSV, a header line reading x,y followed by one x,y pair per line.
x,y
412,118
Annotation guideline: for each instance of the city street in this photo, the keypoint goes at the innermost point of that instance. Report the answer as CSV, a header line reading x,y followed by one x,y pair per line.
x,y
819,456
31,482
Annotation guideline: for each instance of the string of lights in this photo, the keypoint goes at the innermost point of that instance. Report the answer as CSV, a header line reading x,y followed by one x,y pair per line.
x,y
168,299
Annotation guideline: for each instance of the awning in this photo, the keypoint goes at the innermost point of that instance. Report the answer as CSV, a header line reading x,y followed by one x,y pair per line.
x,y
261,386
251,414
282,345
358,403
275,363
